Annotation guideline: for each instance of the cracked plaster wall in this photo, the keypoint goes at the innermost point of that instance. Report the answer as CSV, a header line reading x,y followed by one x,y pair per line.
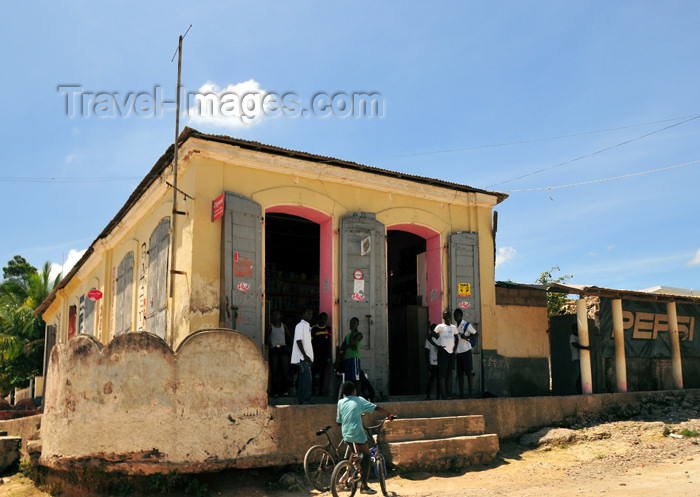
x,y
137,406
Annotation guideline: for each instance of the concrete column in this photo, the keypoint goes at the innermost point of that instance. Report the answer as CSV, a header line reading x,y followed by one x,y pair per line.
x,y
676,366
585,355
619,335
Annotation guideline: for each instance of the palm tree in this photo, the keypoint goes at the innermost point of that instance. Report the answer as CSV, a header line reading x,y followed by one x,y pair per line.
x,y
21,331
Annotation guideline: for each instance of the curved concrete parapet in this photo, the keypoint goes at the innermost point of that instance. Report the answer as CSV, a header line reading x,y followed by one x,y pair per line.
x,y
136,406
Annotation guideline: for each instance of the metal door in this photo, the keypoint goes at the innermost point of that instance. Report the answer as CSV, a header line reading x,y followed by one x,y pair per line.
x,y
241,305
464,291
156,307
363,291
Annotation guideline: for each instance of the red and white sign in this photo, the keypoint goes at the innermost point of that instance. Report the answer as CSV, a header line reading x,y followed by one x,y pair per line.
x,y
94,295
217,208
358,274
358,297
243,287
465,305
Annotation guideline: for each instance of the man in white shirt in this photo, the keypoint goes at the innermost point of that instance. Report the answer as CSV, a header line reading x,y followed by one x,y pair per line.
x,y
303,355
465,360
447,336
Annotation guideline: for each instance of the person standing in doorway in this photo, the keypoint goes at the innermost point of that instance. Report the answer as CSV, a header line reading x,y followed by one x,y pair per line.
x,y
431,361
277,337
321,341
575,347
352,354
303,356
463,353
447,336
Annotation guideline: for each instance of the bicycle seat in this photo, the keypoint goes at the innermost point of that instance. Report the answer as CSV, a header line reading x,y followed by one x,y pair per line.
x,y
321,432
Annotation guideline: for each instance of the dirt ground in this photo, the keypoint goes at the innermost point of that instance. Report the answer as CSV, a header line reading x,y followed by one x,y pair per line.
x,y
654,452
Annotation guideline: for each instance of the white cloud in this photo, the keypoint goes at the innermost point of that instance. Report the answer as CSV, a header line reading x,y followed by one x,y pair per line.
x,y
504,255
238,105
73,257
695,260
71,158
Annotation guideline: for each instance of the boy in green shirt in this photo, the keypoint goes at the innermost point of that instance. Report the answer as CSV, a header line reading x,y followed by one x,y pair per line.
x,y
350,409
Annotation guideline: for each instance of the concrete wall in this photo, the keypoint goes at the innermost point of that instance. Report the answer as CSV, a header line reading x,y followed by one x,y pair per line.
x,y
137,406
26,428
518,365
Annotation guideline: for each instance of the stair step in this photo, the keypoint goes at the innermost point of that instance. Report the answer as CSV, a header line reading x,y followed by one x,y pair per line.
x,y
402,430
444,454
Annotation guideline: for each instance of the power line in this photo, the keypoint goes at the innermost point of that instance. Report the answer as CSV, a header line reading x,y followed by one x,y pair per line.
x,y
603,179
521,142
593,153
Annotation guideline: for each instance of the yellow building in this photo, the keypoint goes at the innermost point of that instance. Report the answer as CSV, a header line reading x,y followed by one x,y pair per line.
x,y
252,228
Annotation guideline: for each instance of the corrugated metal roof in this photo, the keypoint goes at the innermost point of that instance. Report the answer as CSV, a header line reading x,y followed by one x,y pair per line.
x,y
166,159
620,294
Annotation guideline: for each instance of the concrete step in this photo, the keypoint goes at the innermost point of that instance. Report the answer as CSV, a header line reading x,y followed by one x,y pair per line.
x,y
407,429
443,454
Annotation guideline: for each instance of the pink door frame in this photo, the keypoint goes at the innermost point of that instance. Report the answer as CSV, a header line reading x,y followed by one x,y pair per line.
x,y
325,277
433,266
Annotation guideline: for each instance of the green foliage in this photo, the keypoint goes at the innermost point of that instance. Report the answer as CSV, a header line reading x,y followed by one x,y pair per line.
x,y
18,269
555,301
21,331
197,489
27,470
688,433
165,483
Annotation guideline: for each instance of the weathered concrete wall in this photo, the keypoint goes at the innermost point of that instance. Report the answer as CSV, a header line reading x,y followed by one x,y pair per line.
x,y
137,406
26,428
9,452
520,365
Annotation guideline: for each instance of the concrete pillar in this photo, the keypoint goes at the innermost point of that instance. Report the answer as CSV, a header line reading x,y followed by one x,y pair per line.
x,y
619,335
676,366
585,355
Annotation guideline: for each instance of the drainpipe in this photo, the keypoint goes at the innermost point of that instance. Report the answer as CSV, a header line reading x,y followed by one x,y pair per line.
x,y
676,366
619,335
585,355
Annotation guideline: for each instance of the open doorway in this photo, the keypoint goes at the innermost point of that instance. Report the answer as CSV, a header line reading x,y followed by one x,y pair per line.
x,y
408,317
292,250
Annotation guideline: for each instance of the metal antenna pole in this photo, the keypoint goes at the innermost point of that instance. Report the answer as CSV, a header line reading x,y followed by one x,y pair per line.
x,y
173,271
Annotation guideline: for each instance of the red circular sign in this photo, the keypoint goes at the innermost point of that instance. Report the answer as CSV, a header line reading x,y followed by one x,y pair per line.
x,y
358,274
94,295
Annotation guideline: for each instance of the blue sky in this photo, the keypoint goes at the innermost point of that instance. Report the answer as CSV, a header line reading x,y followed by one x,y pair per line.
x,y
477,93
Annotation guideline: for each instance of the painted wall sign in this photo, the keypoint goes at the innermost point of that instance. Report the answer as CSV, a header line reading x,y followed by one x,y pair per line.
x,y
646,329
359,286
463,304
358,297
94,295
464,289
217,208
243,287
242,268
358,274
365,246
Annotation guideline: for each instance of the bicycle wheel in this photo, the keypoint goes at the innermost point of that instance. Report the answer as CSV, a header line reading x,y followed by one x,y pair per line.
x,y
318,466
344,481
380,470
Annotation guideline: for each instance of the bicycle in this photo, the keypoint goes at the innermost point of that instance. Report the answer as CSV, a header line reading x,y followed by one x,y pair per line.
x,y
320,460
346,474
